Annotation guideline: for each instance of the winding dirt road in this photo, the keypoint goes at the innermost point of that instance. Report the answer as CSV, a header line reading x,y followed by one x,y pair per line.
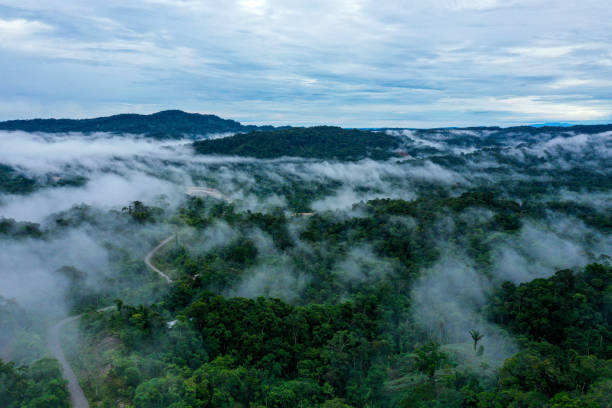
x,y
152,253
77,396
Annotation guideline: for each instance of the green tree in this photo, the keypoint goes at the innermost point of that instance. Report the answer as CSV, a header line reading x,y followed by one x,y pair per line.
x,y
429,358
476,337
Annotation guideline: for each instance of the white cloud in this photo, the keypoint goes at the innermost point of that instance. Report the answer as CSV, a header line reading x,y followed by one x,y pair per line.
x,y
125,189
20,30
257,7
543,52
569,83
534,107
577,83
475,4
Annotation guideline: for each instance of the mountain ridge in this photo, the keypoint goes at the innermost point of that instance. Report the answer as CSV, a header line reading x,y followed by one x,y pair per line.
x,y
174,123
167,124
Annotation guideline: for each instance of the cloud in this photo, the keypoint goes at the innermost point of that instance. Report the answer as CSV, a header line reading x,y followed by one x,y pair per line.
x,y
533,107
449,298
344,199
104,191
447,303
28,268
572,83
40,153
365,63
278,279
127,166
475,4
543,51
362,265
257,7
18,30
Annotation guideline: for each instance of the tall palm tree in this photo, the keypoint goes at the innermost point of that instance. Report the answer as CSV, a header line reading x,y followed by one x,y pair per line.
x,y
476,336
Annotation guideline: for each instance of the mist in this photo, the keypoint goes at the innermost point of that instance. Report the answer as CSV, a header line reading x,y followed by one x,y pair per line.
x,y
28,268
448,297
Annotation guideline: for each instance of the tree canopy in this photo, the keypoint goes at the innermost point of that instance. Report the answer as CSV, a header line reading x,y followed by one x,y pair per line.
x,y
322,142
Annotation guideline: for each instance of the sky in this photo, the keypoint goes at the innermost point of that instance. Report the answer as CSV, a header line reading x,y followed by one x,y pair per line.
x,y
382,63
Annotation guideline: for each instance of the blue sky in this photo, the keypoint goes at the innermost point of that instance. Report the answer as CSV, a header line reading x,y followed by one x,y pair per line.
x,y
360,63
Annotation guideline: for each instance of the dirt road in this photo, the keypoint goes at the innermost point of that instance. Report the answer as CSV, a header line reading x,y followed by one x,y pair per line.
x,y
77,396
151,254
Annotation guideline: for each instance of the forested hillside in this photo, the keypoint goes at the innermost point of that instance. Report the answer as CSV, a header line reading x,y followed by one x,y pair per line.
x,y
38,385
409,268
162,125
322,142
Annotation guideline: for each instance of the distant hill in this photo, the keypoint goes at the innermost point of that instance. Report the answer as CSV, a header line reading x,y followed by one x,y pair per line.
x,y
530,129
168,124
324,142
552,124
588,129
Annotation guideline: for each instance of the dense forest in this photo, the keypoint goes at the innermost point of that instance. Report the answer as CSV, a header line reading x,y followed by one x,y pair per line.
x,y
405,268
13,182
162,125
323,142
38,385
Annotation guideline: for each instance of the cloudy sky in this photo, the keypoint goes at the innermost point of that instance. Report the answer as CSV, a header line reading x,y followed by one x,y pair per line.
x,y
418,63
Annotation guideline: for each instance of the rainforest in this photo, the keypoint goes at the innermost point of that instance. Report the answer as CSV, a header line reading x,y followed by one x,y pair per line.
x,y
304,267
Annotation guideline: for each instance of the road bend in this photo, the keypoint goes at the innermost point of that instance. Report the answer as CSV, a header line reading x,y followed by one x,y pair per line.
x,y
77,396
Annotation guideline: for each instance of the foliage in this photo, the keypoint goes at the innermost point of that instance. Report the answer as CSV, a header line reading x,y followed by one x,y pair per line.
x,y
142,213
429,358
13,182
344,336
570,310
14,229
323,142
566,323
165,124
39,385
